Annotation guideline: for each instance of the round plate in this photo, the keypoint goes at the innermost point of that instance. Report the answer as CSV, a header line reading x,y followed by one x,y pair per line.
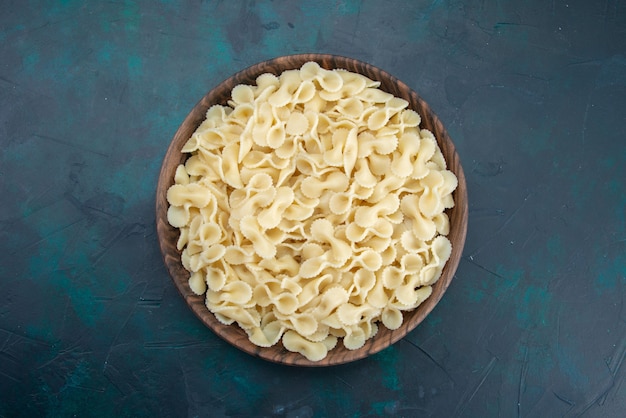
x,y
168,235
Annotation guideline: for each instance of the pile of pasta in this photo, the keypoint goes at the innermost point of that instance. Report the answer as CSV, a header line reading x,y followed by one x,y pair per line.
x,y
311,209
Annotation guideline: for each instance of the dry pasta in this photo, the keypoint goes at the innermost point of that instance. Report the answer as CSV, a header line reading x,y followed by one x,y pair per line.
x,y
311,209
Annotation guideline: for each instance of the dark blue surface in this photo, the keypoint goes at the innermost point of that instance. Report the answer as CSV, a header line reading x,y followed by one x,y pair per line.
x,y
534,96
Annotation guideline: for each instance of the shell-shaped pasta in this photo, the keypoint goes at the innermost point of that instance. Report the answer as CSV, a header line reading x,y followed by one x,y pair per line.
x,y
374,95
181,176
297,124
230,165
276,136
412,244
355,338
350,107
251,229
304,323
215,279
333,155
392,277
368,259
389,184
363,281
335,181
363,175
268,335
313,351
236,255
402,161
380,228
242,94
248,200
388,255
442,223
423,227
197,283
291,285
311,71
313,287
264,82
304,93
391,318
320,335
286,303
427,147
366,216
354,83
377,297
322,231
410,297
245,318
340,203
183,238
262,294
330,300
178,216
192,194
236,293
410,118
263,121
270,216
379,143
350,314
441,249
212,253
314,266
289,82
411,263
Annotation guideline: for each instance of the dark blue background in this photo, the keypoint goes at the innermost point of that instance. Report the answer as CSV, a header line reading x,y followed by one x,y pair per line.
x,y
534,96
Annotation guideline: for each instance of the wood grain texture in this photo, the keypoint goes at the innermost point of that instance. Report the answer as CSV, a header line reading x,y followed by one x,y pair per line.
x,y
168,235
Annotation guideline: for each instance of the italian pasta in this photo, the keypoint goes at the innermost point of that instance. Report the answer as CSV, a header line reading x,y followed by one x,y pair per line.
x,y
311,209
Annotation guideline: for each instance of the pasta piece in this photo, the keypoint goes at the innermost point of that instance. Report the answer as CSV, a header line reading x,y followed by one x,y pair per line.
x,y
242,94
423,227
311,350
197,283
402,162
335,181
251,229
270,216
322,231
297,124
355,338
350,314
391,318
392,277
188,195
330,300
410,296
367,216
268,335
362,282
215,279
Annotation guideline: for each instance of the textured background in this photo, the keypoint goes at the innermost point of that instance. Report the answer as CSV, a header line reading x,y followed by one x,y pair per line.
x,y
533,94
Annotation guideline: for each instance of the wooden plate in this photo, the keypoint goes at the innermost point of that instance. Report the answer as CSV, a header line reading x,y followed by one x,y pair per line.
x,y
169,235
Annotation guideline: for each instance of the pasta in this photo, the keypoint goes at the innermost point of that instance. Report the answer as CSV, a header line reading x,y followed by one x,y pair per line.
x,y
311,209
